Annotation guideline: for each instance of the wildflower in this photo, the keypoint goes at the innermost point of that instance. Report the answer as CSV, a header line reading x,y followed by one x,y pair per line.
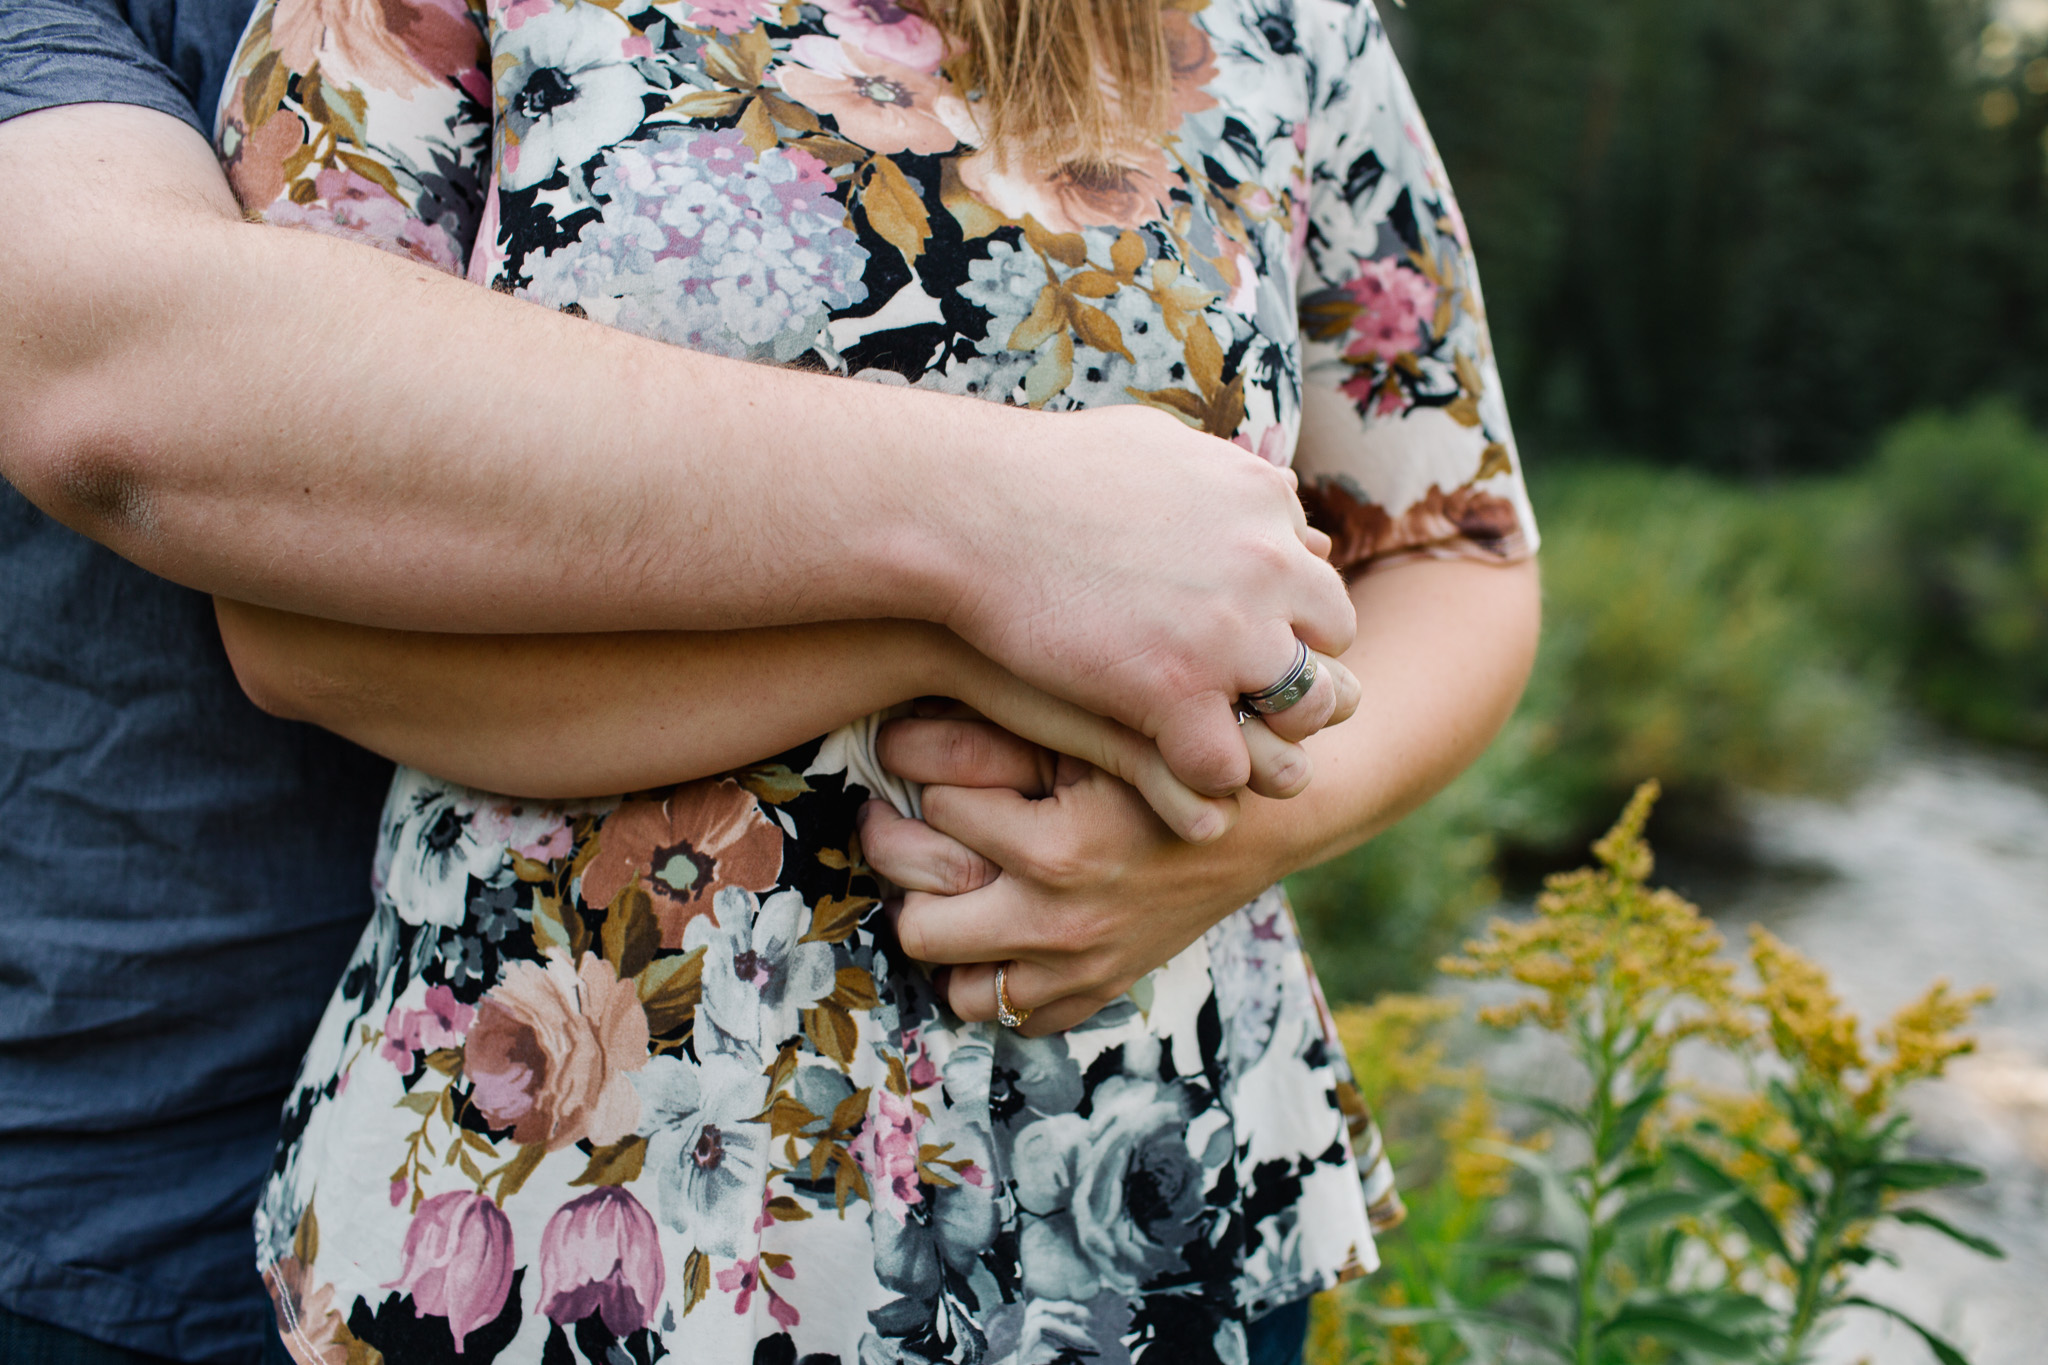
x,y
1610,957
1922,1040
1808,1025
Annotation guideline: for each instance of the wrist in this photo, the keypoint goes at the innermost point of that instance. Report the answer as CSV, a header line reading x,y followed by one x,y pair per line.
x,y
952,496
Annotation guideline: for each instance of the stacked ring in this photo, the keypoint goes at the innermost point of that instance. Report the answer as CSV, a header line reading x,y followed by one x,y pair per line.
x,y
1291,688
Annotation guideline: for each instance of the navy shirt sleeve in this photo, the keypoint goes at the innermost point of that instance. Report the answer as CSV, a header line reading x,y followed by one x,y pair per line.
x,y
55,52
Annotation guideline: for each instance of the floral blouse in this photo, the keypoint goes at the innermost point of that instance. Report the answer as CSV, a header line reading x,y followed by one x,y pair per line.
x,y
615,1080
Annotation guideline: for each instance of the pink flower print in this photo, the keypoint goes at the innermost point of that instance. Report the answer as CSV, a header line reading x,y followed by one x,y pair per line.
x,y
636,46
443,1023
356,209
730,16
457,1262
886,1152
550,1054
554,844
400,1187
745,1277
513,13
601,1254
883,105
884,29
1393,303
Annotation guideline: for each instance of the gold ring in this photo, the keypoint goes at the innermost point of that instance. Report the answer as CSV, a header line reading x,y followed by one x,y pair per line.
x,y
1007,1014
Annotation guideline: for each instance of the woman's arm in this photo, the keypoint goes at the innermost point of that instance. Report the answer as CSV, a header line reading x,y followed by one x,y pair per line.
x,y
1085,892
581,715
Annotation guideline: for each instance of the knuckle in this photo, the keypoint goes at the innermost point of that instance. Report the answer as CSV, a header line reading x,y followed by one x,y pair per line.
x,y
963,871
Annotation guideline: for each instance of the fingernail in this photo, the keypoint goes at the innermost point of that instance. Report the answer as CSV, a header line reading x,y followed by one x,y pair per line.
x,y
1205,827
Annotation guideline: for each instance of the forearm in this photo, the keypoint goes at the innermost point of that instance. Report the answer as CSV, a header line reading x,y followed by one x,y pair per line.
x,y
582,715
281,417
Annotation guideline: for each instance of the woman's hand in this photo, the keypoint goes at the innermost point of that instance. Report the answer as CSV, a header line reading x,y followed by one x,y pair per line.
x,y
1044,862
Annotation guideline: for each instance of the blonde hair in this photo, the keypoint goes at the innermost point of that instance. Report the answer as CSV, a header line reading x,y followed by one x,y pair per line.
x,y
1061,81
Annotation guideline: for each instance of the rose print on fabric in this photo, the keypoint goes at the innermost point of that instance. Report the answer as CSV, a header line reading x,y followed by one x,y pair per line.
x,y
885,30
1111,1198
684,849
552,1052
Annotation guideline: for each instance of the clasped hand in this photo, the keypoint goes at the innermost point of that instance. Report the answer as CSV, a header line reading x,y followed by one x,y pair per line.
x,y
1048,864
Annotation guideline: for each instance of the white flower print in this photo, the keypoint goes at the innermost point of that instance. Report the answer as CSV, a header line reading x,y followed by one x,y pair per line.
x,y
432,846
707,244
705,1151
568,90
759,976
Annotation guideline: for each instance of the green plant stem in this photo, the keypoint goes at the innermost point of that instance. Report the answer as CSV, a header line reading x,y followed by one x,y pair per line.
x,y
1585,1335
1814,1267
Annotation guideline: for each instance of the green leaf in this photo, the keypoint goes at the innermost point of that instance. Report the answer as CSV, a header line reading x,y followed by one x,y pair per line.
x,y
1505,1249
1664,1207
1550,1108
1922,1218
1672,1323
1745,1212
1926,1175
1559,1204
1630,1121
1943,1351
513,1173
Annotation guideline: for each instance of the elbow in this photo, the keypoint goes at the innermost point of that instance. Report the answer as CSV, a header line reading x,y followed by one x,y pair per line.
x,y
70,443
263,664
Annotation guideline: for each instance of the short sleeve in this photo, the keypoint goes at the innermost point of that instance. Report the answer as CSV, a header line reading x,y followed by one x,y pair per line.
x,y
1405,446
58,52
370,123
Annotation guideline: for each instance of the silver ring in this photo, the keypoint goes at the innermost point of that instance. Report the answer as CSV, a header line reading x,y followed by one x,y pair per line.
x,y
1290,689
1008,1015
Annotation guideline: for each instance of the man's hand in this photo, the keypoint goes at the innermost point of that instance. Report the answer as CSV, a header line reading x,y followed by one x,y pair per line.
x,y
1043,862
1150,573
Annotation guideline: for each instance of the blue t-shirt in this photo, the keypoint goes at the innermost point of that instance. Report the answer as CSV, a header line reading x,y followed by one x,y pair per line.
x,y
181,876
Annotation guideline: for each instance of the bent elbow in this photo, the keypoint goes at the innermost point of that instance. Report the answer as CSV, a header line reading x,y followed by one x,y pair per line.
x,y
268,676
61,452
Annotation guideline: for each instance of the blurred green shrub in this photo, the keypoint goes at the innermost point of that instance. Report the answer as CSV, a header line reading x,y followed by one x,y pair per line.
x,y
1723,635
1961,599
1684,636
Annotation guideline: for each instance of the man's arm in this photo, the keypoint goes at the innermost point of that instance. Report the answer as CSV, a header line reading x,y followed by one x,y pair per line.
x,y
563,716
1083,891
309,424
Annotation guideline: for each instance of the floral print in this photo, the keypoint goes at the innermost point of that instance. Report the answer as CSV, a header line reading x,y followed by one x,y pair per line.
x,y
649,1076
